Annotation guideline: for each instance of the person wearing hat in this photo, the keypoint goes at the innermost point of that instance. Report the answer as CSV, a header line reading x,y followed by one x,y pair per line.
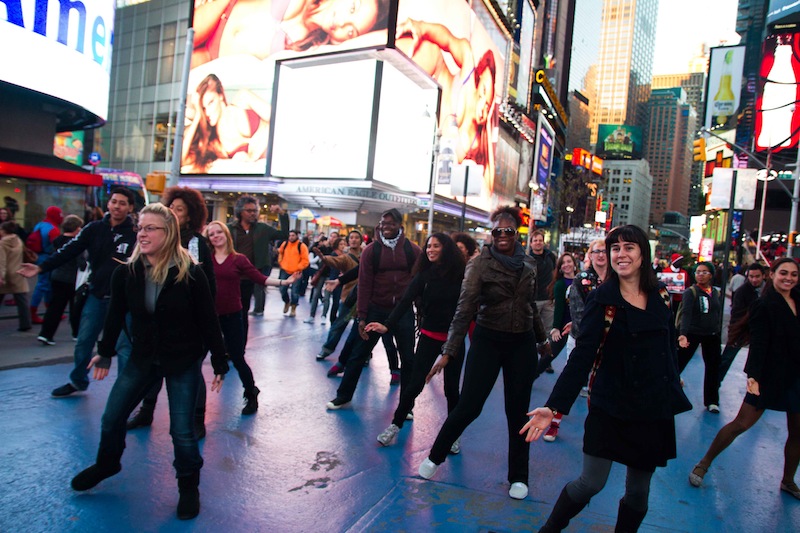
x,y
676,280
48,232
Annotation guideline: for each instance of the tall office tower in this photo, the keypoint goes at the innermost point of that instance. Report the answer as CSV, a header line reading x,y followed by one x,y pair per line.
x,y
750,24
694,85
625,64
670,132
629,187
582,81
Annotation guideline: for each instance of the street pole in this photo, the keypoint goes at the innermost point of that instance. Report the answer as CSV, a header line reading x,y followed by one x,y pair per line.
x,y
434,179
729,231
795,199
177,146
464,204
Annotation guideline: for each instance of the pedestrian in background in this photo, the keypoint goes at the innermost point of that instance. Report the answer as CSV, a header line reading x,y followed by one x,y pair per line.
x,y
500,288
173,325
627,340
62,283
700,325
545,272
10,281
293,259
41,240
773,373
743,298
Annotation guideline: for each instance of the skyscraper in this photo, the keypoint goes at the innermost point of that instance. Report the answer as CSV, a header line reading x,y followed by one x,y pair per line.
x,y
625,62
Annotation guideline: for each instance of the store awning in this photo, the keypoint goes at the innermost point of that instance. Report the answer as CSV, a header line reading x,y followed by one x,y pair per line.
x,y
29,165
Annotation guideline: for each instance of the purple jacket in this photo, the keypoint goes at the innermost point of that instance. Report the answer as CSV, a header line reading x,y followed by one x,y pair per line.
x,y
386,287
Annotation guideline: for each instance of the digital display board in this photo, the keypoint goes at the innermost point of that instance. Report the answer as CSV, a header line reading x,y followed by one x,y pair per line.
x,y
725,67
777,113
619,141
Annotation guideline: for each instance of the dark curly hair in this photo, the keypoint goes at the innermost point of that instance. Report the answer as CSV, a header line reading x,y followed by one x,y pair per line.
x,y
198,212
451,263
468,242
508,212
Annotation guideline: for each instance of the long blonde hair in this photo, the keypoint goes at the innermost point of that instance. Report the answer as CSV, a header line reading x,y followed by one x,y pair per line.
x,y
171,253
228,238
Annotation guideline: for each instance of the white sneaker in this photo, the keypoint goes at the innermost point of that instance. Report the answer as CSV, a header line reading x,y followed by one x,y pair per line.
x,y
389,434
410,415
713,408
455,449
309,320
585,392
518,490
427,469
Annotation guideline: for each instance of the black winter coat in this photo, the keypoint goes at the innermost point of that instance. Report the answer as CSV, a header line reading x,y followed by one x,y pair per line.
x,y
774,357
177,334
638,376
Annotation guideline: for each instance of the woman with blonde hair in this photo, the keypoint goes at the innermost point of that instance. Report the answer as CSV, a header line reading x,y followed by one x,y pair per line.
x,y
172,325
229,267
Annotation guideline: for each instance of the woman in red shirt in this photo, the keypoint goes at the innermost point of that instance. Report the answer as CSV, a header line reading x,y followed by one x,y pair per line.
x,y
229,267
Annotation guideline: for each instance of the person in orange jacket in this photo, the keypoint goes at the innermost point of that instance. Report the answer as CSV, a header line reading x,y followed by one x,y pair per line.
x,y
292,257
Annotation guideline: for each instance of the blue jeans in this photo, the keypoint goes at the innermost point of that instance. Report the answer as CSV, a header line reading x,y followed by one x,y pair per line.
x,y
337,329
42,290
295,290
403,334
92,319
128,390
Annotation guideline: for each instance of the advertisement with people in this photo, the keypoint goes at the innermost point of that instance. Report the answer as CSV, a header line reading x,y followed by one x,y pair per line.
x,y
236,44
447,40
619,141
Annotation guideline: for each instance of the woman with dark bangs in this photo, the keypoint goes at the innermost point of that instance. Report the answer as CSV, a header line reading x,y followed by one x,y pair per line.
x,y
498,291
437,282
627,338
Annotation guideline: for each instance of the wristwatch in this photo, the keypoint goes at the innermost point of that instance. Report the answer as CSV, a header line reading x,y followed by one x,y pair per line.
x,y
555,413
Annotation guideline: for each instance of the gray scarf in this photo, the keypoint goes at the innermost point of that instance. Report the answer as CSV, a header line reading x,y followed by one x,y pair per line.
x,y
512,262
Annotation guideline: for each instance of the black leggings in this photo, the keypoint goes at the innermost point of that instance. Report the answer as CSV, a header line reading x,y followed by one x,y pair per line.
x,y
428,350
594,476
712,354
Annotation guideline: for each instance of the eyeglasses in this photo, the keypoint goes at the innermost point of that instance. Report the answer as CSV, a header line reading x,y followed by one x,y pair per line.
x,y
250,210
147,229
597,252
503,232
704,272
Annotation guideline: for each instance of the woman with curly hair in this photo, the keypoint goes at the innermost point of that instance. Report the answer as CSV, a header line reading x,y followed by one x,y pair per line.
x,y
191,212
173,325
437,285
500,288
466,244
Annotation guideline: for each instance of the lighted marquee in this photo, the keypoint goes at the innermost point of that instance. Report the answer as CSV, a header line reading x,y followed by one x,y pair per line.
x,y
61,52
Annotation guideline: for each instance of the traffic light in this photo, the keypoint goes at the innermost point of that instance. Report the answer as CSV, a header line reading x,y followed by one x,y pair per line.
x,y
699,149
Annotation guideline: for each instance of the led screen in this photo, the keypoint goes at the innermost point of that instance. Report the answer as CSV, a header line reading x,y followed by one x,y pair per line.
x,y
61,52
619,141
777,112
725,67
236,45
783,11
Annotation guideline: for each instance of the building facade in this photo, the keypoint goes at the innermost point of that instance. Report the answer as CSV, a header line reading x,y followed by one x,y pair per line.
x,y
629,186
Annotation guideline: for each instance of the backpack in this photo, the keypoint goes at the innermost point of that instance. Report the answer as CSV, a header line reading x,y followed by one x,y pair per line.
x,y
679,312
35,241
376,256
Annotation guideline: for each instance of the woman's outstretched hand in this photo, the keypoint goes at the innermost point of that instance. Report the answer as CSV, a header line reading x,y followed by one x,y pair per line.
x,y
538,424
438,366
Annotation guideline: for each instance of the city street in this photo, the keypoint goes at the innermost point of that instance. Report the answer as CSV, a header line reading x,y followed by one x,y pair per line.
x,y
295,467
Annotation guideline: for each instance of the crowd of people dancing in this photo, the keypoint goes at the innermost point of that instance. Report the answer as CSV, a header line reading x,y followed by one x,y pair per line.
x,y
170,286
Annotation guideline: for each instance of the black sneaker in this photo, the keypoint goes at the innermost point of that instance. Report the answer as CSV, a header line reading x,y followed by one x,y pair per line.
x,y
63,391
336,403
44,340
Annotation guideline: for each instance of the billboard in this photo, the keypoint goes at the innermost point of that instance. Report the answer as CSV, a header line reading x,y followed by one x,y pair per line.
x,y
725,67
47,45
543,158
69,146
783,11
448,41
619,141
777,115
236,44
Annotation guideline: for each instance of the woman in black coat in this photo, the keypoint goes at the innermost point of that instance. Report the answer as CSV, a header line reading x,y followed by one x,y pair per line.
x,y
773,372
627,336
173,323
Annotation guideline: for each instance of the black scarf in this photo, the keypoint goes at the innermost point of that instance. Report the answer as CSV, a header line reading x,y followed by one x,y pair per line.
x,y
186,235
512,262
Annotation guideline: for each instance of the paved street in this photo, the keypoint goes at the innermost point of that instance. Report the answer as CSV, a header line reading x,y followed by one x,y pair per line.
x,y
294,467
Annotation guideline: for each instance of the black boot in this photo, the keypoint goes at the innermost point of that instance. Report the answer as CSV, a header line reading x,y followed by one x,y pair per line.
x,y
251,397
94,475
189,502
566,508
142,418
628,518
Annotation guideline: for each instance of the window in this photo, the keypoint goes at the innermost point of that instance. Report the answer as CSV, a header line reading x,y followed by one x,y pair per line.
x,y
163,137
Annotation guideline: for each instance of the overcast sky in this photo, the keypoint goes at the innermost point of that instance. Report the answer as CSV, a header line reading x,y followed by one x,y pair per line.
x,y
683,25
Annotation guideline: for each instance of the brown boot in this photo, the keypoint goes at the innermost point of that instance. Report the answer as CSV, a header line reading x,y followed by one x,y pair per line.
x,y
293,312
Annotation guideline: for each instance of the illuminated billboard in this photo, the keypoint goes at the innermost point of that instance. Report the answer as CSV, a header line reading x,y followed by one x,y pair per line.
x,y
725,67
60,49
783,11
543,158
619,141
777,115
450,43
236,45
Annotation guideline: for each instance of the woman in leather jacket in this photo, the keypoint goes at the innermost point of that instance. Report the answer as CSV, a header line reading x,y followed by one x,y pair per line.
x,y
500,287
173,324
627,340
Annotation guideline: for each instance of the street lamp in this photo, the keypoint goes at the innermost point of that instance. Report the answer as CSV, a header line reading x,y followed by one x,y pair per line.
x,y
765,175
569,210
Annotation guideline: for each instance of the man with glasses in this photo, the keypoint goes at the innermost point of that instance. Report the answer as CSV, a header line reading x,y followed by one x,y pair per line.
x,y
253,239
109,242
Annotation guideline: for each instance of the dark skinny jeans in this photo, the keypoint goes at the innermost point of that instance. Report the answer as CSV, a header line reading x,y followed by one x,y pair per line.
x,y
491,351
710,344
60,297
428,350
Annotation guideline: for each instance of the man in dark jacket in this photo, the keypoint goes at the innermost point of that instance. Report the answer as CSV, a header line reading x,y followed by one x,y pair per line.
x,y
254,239
545,270
383,276
743,297
109,242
